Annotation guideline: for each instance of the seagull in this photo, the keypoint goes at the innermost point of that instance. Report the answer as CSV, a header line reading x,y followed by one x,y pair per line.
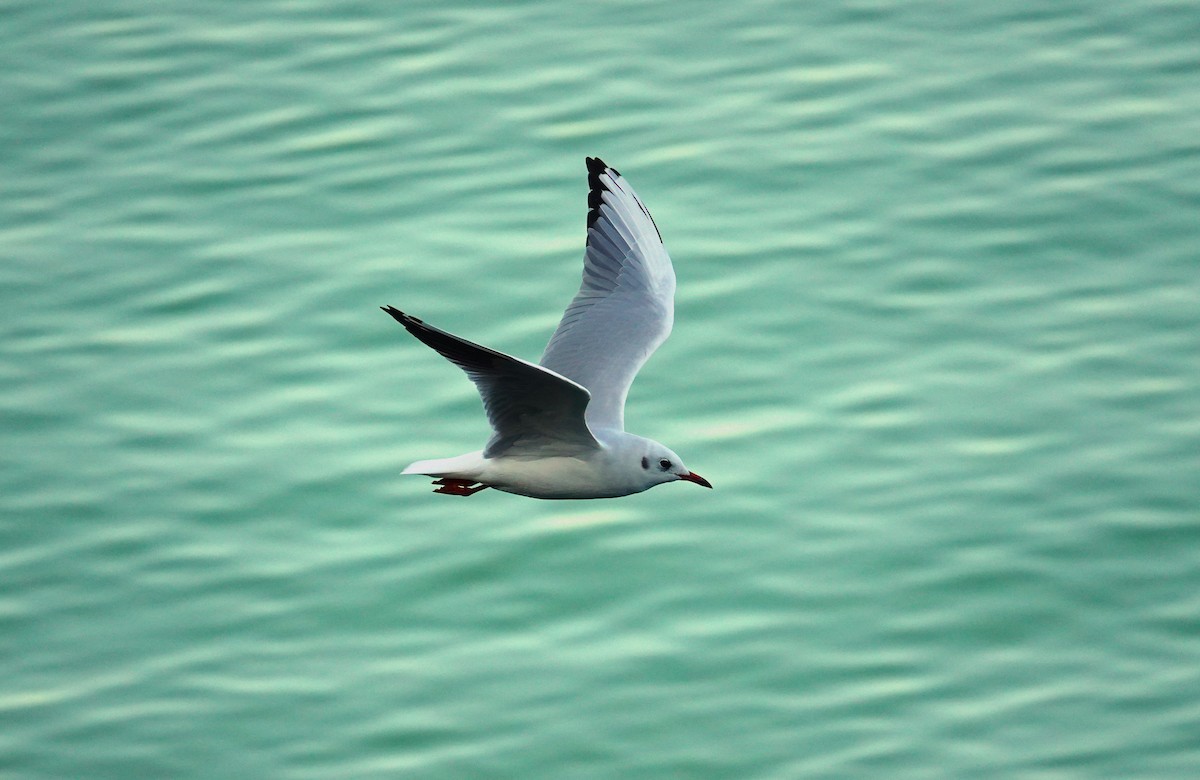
x,y
558,427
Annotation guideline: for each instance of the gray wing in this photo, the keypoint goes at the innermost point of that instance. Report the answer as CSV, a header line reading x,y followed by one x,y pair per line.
x,y
532,409
625,305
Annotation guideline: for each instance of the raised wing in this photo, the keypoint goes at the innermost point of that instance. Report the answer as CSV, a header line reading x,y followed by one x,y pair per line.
x,y
625,305
531,409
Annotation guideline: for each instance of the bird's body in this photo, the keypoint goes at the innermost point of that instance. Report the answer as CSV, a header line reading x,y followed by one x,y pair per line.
x,y
559,427
598,473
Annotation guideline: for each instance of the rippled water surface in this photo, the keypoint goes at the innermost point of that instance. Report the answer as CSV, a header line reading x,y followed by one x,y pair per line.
x,y
937,345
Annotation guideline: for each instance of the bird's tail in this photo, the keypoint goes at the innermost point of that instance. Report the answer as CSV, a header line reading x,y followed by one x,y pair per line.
x,y
431,468
463,467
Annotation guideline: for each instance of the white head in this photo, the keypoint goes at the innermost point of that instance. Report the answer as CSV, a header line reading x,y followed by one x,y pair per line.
x,y
658,464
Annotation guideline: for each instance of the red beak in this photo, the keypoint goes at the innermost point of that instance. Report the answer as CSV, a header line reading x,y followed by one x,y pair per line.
x,y
692,476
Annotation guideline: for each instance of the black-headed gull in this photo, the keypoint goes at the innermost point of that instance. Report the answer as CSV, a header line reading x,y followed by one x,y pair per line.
x,y
559,427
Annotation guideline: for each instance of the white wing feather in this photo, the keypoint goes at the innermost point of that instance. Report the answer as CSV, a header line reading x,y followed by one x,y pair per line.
x,y
625,305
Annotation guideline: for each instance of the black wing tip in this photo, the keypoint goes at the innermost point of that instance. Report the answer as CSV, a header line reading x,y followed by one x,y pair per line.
x,y
596,188
465,354
400,317
597,166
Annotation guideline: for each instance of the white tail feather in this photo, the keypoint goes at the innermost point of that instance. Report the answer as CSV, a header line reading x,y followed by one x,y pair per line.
x,y
463,467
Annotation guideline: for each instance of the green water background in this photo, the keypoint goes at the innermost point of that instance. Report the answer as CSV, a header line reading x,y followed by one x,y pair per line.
x,y
937,345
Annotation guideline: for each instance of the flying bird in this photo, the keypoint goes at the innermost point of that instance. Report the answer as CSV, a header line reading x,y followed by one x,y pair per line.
x,y
558,427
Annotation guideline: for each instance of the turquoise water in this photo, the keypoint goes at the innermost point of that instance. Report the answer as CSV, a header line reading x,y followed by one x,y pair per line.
x,y
937,346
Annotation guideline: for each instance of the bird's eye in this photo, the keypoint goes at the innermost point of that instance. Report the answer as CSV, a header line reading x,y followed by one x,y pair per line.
x,y
645,463
664,464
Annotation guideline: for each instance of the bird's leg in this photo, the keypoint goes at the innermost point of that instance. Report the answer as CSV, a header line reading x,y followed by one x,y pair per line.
x,y
457,487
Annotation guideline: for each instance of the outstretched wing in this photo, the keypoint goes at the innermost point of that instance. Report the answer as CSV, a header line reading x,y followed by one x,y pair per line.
x,y
625,305
533,410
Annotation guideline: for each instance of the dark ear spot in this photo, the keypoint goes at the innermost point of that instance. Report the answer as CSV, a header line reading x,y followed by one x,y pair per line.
x,y
645,463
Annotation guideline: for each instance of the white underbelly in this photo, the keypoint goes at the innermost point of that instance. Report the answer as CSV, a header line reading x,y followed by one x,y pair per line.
x,y
551,478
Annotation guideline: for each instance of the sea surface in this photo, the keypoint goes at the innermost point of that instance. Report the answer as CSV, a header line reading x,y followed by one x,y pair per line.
x,y
937,346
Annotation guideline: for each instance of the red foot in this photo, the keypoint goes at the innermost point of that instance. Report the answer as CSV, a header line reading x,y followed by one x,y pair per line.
x,y
458,487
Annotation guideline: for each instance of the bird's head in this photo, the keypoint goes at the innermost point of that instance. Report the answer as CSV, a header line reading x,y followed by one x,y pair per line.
x,y
658,465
